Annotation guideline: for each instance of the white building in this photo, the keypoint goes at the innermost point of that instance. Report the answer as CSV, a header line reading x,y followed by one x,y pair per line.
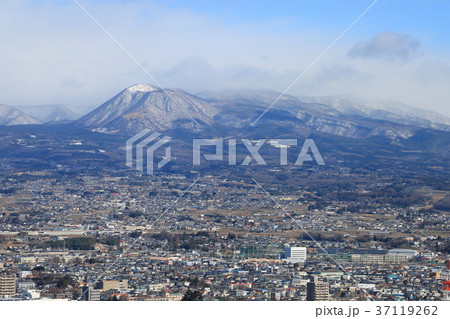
x,y
26,285
294,254
30,294
403,252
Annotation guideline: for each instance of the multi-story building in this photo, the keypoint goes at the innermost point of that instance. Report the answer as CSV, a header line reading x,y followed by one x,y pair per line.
x,y
410,253
106,285
90,294
7,285
317,290
294,254
380,259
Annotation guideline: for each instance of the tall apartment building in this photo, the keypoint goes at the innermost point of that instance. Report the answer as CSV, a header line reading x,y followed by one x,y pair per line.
x,y
317,290
294,254
7,285
90,294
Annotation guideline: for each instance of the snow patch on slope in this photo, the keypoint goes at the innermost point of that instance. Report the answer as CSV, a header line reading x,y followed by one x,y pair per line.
x,y
141,88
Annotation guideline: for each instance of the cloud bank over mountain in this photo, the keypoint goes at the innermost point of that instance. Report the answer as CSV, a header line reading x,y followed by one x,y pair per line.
x,y
66,59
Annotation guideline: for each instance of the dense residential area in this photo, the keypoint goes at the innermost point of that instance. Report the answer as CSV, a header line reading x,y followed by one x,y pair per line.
x,y
119,236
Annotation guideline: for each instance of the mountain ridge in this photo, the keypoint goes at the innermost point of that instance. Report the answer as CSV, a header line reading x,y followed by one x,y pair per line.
x,y
143,106
48,113
390,110
12,116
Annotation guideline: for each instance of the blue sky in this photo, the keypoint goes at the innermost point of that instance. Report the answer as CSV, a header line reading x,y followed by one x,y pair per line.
x,y
426,18
399,50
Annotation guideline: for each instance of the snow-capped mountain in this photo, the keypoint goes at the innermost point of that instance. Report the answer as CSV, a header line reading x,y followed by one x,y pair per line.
x,y
345,106
49,113
12,116
392,111
143,106
408,112
331,115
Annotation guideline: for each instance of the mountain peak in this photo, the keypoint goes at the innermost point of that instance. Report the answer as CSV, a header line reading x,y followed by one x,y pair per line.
x,y
141,88
144,106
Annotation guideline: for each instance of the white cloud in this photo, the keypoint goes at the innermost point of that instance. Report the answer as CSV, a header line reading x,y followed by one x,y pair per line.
x,y
386,45
65,58
54,54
